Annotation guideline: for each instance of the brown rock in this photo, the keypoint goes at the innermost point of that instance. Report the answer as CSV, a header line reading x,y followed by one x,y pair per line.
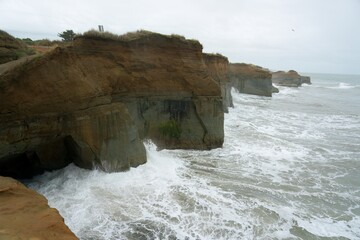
x,y
287,79
93,102
218,68
305,79
251,79
25,214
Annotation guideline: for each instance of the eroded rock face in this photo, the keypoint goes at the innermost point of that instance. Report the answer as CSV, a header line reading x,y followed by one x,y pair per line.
x,y
287,79
218,68
251,79
25,214
305,79
94,102
102,136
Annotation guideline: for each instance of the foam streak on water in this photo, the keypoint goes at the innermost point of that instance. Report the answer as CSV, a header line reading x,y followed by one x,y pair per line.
x,y
289,169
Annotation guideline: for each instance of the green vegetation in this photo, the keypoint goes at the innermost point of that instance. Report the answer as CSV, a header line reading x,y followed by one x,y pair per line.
x,y
130,36
112,36
67,35
11,48
170,129
215,55
41,42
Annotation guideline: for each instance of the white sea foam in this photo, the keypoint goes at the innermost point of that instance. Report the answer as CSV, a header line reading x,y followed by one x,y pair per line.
x,y
283,173
343,85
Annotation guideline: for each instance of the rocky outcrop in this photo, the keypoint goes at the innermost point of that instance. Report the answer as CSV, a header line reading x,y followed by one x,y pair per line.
x,y
25,214
275,89
251,79
94,102
12,49
305,79
289,79
218,68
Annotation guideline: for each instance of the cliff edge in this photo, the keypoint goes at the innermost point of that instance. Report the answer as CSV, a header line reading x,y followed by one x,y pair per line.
x,y
218,68
94,102
251,79
25,214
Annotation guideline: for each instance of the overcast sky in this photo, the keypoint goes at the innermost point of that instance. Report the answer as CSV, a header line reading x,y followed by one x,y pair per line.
x,y
305,35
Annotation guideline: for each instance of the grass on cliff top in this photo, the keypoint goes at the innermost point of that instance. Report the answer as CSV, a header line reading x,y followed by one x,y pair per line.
x,y
12,49
218,55
130,36
251,65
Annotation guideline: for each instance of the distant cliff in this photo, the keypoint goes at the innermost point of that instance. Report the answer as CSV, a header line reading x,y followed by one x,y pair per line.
x,y
289,79
218,68
251,79
94,102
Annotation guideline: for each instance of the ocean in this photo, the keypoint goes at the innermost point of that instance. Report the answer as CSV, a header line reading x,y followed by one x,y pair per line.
x,y
289,169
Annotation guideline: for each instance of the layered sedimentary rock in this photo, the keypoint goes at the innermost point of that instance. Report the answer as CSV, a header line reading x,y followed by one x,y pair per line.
x,y
94,102
218,68
251,79
25,214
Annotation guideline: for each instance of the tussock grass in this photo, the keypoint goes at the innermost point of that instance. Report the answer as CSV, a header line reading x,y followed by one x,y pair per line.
x,y
130,36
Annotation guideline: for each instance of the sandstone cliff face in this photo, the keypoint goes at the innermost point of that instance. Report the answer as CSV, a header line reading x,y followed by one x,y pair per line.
x,y
25,214
94,102
218,68
251,79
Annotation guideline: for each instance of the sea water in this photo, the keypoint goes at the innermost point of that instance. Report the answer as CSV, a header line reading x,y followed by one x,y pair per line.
x,y
289,169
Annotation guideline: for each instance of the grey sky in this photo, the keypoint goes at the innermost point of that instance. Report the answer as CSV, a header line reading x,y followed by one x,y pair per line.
x,y
326,36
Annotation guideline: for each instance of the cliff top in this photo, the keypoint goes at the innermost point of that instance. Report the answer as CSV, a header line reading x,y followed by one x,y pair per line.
x,y
290,73
215,56
249,70
73,77
133,36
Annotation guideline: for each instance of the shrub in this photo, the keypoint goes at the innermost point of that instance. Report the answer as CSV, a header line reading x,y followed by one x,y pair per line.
x,y
128,36
170,129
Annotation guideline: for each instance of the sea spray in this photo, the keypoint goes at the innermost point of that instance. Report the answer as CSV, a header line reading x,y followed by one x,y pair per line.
x,y
289,169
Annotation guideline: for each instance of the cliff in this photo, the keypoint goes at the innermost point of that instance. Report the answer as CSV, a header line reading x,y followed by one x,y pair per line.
x,y
305,79
218,68
251,79
25,214
289,79
94,102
